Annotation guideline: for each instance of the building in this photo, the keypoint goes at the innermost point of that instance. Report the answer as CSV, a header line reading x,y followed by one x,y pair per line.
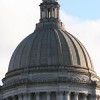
x,y
50,64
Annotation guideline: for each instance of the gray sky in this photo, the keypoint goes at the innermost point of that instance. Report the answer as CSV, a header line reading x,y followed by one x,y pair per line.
x,y
18,19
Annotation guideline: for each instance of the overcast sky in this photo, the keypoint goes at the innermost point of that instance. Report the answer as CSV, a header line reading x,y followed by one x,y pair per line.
x,y
18,19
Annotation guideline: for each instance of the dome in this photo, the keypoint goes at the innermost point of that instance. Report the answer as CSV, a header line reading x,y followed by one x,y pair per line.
x,y
50,48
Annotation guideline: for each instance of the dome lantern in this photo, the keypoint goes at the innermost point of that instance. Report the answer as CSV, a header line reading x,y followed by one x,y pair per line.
x,y
49,9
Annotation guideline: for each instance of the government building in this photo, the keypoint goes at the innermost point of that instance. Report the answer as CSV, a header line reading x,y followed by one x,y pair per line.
x,y
50,64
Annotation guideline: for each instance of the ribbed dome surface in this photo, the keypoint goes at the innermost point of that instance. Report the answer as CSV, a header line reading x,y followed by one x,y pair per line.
x,y
49,46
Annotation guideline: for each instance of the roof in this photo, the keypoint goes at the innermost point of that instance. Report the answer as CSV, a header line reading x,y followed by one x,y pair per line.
x,y
50,46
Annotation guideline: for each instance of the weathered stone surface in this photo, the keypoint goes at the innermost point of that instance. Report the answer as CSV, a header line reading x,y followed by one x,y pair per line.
x,y
50,47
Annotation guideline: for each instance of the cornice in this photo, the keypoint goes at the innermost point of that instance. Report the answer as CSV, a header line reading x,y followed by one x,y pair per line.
x,y
79,79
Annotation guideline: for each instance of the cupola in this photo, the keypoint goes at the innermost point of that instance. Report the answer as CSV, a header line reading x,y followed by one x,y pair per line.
x,y
49,9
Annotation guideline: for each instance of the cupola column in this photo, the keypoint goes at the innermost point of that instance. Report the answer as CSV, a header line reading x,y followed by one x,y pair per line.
x,y
20,97
59,95
25,96
76,96
67,95
37,96
29,96
84,96
48,95
58,13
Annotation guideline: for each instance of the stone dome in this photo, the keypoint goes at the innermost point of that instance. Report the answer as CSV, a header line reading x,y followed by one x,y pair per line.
x,y
50,48
50,51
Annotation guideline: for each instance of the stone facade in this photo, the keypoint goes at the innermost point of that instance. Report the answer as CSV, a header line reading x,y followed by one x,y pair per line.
x,y
54,92
50,86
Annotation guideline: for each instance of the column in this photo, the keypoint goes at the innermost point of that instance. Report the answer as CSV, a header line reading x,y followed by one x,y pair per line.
x,y
48,95
84,96
58,13
96,97
20,97
60,95
67,96
46,13
76,96
13,98
50,12
41,11
29,96
25,96
37,96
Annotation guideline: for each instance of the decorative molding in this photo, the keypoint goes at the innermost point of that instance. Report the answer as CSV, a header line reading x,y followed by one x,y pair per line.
x,y
38,69
70,77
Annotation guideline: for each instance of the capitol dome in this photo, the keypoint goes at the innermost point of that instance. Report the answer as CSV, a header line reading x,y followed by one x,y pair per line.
x,y
50,48
51,64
